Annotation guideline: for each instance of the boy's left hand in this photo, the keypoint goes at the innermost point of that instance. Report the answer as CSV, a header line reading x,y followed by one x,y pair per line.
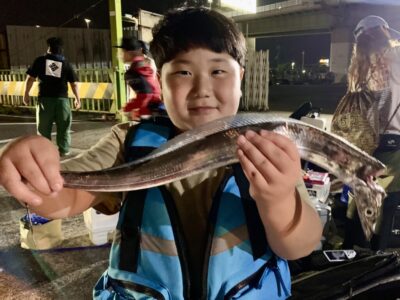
x,y
271,163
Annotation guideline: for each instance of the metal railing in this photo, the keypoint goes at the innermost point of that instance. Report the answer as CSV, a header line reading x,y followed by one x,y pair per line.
x,y
105,104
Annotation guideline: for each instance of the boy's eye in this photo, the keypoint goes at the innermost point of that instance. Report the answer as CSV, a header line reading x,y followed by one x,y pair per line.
x,y
218,72
183,73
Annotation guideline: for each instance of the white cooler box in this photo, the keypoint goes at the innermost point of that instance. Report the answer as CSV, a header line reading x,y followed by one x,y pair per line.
x,y
100,226
318,185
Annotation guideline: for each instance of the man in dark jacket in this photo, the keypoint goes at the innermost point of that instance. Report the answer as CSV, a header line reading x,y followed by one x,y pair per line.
x,y
54,72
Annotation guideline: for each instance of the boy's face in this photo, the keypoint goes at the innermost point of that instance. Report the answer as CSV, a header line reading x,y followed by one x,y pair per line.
x,y
128,56
199,86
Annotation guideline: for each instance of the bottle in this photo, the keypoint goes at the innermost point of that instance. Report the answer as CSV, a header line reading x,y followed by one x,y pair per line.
x,y
344,197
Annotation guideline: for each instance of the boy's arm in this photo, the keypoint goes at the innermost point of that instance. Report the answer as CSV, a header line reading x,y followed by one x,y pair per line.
x,y
272,165
34,178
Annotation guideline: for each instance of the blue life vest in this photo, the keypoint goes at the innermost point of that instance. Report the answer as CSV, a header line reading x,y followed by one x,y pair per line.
x,y
148,258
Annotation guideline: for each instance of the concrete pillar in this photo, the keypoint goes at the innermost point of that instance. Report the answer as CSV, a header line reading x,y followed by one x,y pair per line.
x,y
251,44
115,9
341,47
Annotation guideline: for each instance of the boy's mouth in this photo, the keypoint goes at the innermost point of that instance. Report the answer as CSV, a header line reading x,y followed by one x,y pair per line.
x,y
201,109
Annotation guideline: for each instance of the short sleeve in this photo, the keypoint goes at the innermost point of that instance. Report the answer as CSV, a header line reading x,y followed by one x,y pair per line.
x,y
108,152
34,70
71,74
393,54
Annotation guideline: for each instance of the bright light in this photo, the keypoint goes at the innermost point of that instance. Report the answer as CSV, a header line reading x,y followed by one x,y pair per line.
x,y
324,61
293,64
37,26
240,5
303,71
87,22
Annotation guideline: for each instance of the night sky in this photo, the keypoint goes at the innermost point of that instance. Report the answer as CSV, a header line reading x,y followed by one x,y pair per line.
x,y
72,12
58,12
288,49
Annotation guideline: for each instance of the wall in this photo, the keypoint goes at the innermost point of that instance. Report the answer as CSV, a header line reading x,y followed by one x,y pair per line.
x,y
84,48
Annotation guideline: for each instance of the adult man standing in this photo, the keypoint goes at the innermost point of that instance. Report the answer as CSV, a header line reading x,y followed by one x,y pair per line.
x,y
54,72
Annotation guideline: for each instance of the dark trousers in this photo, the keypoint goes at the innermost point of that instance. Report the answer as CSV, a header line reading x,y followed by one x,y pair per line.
x,y
58,110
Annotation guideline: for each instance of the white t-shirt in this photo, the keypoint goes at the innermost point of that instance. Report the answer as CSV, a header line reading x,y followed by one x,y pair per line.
x,y
389,98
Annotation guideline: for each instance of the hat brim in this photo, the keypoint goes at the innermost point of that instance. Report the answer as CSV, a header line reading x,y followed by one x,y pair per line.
x,y
394,34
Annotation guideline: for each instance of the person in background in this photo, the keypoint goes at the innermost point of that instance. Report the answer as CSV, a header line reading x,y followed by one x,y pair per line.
x,y
54,73
141,78
224,233
375,65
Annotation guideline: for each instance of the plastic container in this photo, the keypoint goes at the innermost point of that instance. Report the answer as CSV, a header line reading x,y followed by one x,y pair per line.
x,y
100,226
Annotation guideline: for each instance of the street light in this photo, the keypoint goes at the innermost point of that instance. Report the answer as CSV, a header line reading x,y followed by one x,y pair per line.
x,y
88,23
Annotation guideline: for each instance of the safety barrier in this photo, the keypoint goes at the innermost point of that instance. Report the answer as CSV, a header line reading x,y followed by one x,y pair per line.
x,y
95,90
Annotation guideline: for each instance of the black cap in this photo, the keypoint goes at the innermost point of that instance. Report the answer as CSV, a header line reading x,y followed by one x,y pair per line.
x,y
130,44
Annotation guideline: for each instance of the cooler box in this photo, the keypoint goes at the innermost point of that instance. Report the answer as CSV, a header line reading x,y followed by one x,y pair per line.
x,y
318,185
100,226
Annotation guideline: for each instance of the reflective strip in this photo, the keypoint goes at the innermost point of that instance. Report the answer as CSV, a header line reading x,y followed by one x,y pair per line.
x,y
99,92
11,88
152,243
158,245
229,240
91,90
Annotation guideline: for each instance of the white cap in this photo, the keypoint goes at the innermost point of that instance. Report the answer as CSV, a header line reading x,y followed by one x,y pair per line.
x,y
372,22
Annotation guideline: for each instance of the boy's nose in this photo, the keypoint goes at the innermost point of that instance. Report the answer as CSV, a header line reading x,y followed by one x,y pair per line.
x,y
201,86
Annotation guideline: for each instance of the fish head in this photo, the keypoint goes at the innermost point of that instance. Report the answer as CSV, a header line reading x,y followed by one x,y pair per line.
x,y
368,196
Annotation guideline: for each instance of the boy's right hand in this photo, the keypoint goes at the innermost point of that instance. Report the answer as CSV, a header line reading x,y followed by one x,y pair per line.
x,y
29,167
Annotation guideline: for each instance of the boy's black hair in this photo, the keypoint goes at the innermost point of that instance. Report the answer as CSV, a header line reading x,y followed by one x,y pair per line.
x,y
55,45
187,28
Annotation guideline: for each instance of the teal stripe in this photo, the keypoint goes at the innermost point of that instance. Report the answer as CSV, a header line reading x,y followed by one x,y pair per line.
x,y
156,221
150,135
230,213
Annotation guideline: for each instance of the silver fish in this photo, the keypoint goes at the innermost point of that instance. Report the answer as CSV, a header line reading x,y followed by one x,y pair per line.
x,y
213,145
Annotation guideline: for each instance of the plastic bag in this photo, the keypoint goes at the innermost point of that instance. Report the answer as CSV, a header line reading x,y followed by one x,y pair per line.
x,y
357,120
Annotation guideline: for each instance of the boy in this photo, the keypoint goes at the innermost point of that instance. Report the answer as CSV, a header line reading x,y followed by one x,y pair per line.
x,y
141,78
214,235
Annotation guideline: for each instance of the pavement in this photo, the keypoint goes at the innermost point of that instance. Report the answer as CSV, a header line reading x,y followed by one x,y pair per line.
x,y
71,270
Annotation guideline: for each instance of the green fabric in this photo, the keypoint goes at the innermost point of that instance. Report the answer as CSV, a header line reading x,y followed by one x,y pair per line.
x,y
58,110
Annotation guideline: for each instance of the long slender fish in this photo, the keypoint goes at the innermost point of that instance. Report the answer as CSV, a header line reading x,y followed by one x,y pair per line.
x,y
214,145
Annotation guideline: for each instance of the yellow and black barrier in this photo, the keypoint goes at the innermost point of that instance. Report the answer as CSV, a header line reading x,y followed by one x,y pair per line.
x,y
95,96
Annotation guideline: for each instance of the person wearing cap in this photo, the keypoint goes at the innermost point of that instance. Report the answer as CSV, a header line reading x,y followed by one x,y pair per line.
x,y
375,65
141,78
54,73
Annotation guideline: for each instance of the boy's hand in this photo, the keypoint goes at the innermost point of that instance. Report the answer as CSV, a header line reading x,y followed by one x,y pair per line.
x,y
30,166
271,163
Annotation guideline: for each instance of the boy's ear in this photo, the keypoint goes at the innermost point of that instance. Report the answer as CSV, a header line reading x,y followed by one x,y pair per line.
x,y
241,73
159,78
159,81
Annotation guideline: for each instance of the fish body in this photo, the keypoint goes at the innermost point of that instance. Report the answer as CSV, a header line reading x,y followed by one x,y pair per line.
x,y
213,145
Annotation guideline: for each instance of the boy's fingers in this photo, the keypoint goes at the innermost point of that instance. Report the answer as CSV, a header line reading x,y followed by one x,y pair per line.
x,y
269,150
257,159
12,182
276,155
32,174
250,170
50,168
282,142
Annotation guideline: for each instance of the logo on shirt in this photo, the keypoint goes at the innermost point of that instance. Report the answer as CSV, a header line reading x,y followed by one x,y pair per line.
x,y
53,68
